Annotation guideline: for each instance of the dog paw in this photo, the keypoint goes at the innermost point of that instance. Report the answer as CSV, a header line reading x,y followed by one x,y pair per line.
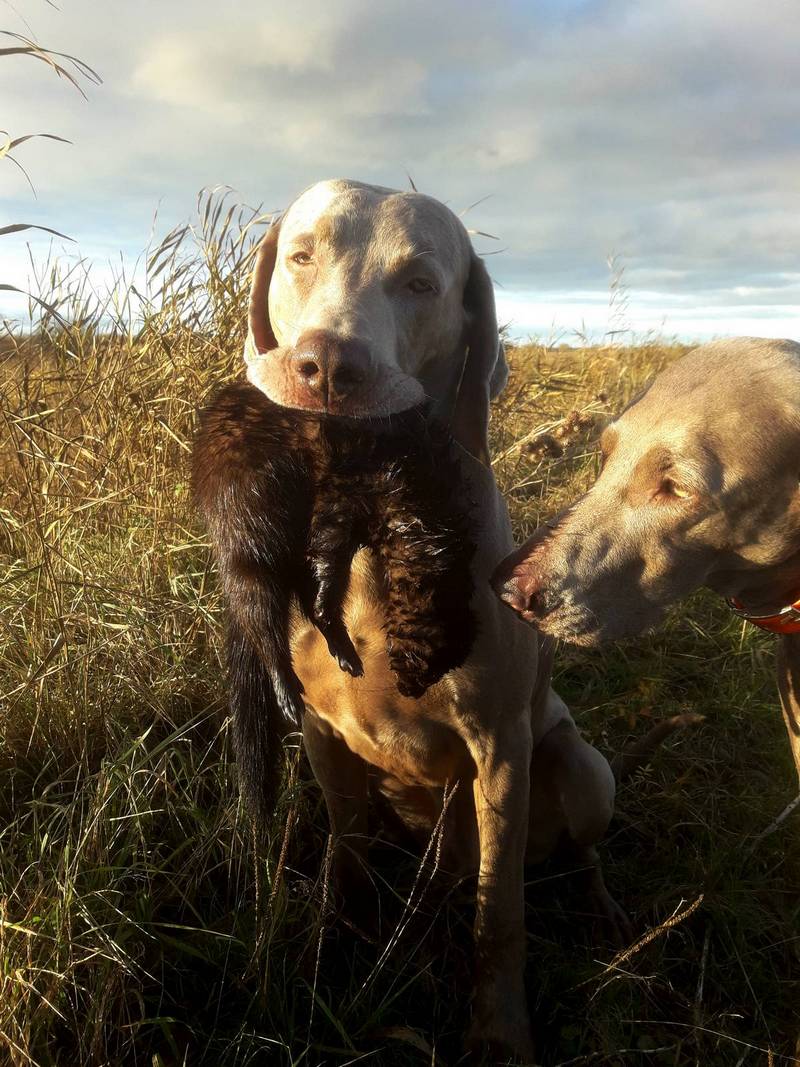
x,y
356,901
500,1032
612,925
512,1048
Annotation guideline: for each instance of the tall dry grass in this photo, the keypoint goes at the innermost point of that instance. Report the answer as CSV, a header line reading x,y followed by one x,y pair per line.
x,y
68,69
138,926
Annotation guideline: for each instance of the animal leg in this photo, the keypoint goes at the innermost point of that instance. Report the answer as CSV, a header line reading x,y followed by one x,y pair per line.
x,y
422,536
430,627
609,919
580,778
342,776
501,791
573,792
331,548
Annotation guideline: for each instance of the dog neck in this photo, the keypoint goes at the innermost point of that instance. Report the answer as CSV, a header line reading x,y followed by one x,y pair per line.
x,y
784,621
771,600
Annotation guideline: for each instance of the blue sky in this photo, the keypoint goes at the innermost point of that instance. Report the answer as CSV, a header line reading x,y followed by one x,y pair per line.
x,y
666,134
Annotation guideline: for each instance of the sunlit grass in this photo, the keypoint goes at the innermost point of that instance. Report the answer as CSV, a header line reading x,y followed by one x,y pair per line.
x,y
137,925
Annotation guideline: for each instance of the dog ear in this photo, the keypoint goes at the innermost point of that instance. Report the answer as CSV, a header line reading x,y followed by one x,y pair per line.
x,y
484,371
260,336
499,379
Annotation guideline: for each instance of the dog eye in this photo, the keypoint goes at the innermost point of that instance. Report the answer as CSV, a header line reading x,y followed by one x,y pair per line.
x,y
669,488
301,258
421,285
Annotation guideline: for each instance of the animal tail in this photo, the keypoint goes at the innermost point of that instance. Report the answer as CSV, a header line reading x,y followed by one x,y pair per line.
x,y
259,728
639,752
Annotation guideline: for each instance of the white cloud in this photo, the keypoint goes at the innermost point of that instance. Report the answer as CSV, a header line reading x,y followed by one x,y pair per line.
x,y
663,132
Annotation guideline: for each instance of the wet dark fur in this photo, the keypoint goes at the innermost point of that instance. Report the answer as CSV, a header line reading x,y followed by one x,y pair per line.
x,y
288,498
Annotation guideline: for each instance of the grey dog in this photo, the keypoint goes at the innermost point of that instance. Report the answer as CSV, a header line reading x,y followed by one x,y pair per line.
x,y
700,486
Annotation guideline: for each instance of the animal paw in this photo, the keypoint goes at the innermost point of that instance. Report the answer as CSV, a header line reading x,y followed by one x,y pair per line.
x,y
355,897
612,924
500,1022
343,651
502,1040
351,665
339,644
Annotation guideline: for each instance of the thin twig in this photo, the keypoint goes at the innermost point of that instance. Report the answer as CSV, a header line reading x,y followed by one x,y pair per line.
x,y
647,938
776,822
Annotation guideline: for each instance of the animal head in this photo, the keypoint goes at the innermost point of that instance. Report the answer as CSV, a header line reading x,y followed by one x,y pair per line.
x,y
366,301
699,486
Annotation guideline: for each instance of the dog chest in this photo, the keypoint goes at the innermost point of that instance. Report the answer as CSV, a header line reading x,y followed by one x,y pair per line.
x,y
413,740
414,751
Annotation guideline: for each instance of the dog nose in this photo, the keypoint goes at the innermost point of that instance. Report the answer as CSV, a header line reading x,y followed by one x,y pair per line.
x,y
328,367
520,584
523,594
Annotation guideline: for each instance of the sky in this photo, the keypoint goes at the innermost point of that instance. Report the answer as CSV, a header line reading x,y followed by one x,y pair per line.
x,y
665,133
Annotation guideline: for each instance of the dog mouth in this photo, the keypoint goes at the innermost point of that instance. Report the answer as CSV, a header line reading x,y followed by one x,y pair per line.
x,y
575,631
573,625
379,417
381,395
584,628
569,612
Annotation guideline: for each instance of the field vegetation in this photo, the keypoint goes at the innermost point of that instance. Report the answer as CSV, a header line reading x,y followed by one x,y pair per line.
x,y
139,925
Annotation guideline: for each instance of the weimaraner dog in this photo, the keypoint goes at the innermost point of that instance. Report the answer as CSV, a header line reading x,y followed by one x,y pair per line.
x,y
367,301
700,486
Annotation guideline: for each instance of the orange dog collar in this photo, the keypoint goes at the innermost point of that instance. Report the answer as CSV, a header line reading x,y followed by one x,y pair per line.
x,y
785,621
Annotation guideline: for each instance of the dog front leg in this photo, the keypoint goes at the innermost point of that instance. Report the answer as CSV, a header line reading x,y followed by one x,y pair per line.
x,y
342,776
501,789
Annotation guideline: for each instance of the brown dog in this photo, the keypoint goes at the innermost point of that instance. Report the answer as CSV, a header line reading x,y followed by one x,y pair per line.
x,y
699,487
365,302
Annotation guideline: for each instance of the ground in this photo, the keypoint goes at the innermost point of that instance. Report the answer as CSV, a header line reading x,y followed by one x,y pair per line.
x,y
138,925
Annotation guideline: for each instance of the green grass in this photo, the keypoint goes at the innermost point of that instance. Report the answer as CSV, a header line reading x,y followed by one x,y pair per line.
x,y
137,923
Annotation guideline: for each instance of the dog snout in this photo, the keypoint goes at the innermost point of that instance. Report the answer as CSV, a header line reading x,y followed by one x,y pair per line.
x,y
329,369
520,582
525,593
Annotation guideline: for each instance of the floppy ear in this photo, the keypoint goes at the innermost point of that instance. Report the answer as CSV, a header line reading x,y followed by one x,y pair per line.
x,y
499,379
480,378
260,337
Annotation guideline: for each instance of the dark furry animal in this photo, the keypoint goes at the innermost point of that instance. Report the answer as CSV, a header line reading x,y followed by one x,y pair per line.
x,y
288,498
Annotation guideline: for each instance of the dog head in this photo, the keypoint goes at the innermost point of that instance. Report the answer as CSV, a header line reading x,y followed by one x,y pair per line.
x,y
699,485
366,302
